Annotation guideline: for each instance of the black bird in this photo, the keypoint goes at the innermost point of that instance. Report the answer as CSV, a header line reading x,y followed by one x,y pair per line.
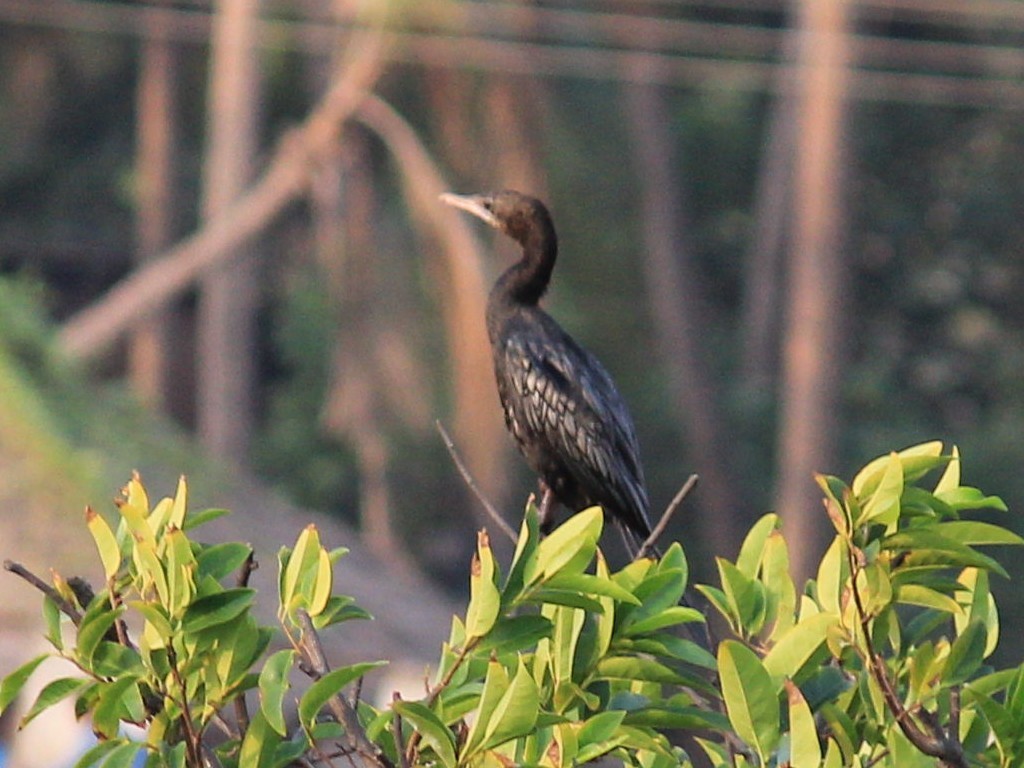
x,y
560,404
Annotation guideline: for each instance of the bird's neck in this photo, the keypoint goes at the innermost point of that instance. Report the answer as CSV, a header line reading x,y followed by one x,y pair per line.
x,y
526,281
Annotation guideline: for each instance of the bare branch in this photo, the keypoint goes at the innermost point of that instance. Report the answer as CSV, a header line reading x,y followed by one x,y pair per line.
x,y
355,736
491,511
670,511
65,606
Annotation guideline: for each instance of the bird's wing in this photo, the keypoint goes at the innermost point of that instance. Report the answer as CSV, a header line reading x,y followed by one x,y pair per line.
x,y
568,400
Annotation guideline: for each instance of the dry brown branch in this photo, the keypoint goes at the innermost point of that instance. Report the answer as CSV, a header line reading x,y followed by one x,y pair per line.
x,y
488,507
66,607
670,511
355,737
92,331
461,283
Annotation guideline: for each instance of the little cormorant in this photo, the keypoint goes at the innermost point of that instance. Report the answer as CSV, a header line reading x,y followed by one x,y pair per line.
x,y
561,406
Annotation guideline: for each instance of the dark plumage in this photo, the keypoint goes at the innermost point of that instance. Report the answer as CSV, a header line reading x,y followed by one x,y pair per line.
x,y
560,404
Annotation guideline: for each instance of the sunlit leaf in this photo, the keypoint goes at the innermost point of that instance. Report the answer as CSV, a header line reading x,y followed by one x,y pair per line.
x,y
218,608
572,543
750,697
795,647
433,732
317,695
515,713
53,692
273,683
914,594
804,747
749,559
883,504
966,654
12,684
106,542
484,598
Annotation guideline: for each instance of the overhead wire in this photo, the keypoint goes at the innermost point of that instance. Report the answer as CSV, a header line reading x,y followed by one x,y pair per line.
x,y
613,46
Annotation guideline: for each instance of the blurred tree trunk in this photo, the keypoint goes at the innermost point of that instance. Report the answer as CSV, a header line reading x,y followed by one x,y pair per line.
x,y
229,294
680,313
812,339
150,355
764,265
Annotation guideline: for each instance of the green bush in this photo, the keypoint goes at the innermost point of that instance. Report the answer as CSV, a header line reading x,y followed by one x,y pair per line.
x,y
879,661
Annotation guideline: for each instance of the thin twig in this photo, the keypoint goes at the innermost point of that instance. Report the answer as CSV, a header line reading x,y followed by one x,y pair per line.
x,y
396,731
674,505
491,511
942,744
65,606
356,737
240,705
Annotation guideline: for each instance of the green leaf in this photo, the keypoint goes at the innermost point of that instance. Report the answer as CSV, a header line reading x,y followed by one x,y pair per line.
x,y
53,692
196,519
975,533
14,682
314,699
950,479
797,646
484,598
751,552
567,598
780,593
516,633
496,682
303,558
95,624
123,754
914,594
259,743
833,572
963,498
745,596
883,505
750,697
572,543
914,461
218,608
318,593
980,605
432,731
220,560
804,747
273,684
524,562
179,505
670,617
116,701
635,668
516,712
966,654
926,546
588,584
106,542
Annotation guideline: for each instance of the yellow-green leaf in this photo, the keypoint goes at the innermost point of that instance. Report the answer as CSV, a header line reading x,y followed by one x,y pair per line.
x,y
106,542
750,697
804,747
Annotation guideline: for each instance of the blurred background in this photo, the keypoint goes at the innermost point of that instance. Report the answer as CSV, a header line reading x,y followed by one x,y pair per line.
x,y
792,232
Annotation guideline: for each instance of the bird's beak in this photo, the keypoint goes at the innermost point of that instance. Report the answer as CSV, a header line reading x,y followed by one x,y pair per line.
x,y
474,204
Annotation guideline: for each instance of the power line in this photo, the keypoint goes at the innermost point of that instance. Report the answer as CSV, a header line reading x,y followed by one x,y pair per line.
x,y
644,49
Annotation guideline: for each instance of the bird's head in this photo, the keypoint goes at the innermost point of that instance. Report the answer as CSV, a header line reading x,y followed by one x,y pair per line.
x,y
511,212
